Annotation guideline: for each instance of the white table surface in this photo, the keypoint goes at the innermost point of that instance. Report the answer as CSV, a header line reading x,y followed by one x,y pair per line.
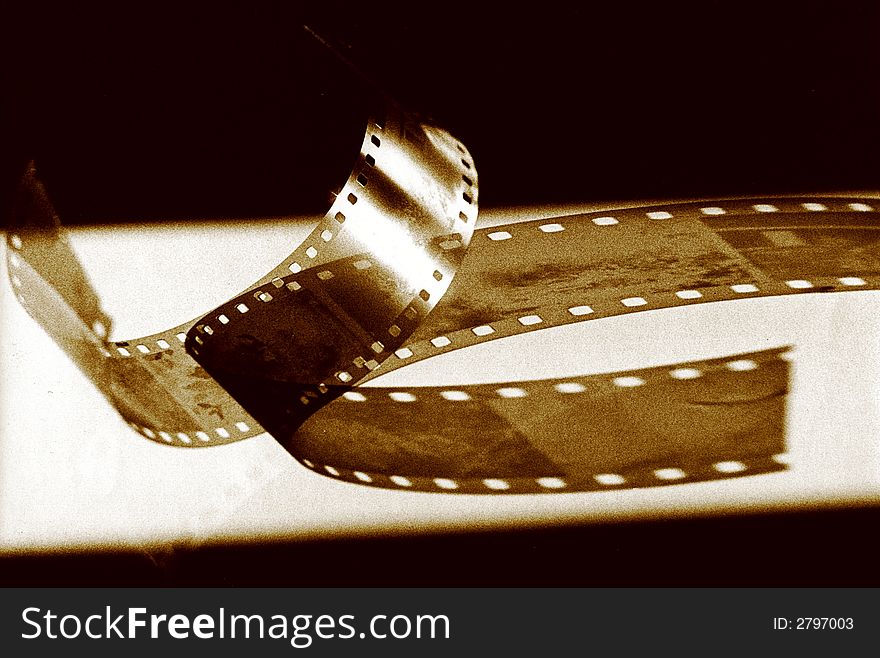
x,y
73,474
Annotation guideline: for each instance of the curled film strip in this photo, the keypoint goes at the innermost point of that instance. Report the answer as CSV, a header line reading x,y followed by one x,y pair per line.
x,y
413,191
355,301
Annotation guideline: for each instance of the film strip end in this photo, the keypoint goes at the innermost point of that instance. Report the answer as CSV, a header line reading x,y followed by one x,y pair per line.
x,y
670,420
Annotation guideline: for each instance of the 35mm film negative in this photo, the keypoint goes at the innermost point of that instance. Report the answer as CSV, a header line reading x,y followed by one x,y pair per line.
x,y
395,273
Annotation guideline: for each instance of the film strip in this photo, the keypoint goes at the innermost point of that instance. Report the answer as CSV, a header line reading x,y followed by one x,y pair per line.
x,y
384,282
413,191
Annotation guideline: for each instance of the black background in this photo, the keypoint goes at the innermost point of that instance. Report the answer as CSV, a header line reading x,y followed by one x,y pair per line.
x,y
150,111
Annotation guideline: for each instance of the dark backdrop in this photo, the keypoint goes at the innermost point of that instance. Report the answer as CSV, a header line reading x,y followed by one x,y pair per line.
x,y
150,111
